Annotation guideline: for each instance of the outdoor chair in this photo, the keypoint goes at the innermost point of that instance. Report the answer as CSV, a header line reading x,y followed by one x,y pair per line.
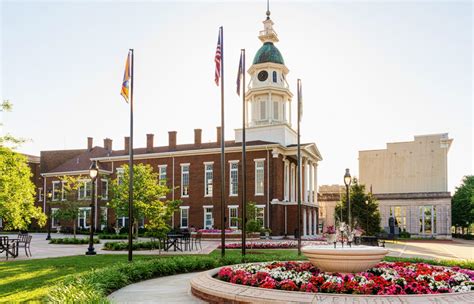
x,y
186,241
24,241
6,246
197,240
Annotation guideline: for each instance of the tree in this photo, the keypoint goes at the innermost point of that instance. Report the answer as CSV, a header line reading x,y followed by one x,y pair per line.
x,y
148,196
6,106
253,224
364,216
462,204
69,210
17,192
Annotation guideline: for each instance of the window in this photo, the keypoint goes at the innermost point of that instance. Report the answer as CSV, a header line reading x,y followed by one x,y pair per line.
x,y
83,221
105,189
122,222
233,217
120,174
234,178
263,110
275,110
208,176
162,174
85,190
103,218
274,76
184,180
259,176
40,194
427,219
54,220
208,218
260,214
184,216
57,191
400,215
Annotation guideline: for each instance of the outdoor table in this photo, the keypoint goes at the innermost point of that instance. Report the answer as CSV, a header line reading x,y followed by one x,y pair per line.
x,y
14,252
173,242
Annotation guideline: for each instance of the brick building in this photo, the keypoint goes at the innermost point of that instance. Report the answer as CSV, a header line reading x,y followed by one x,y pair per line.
x,y
192,171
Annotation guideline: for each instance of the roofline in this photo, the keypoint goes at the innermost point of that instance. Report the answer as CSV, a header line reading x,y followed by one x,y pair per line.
x,y
186,152
77,172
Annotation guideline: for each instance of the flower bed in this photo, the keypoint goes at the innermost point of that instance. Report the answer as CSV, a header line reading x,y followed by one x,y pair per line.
x,y
386,278
73,241
271,245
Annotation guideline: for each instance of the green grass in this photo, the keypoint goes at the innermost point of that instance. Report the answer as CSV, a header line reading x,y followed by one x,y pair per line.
x,y
33,280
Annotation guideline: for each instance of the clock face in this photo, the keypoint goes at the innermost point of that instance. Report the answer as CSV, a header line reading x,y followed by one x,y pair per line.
x,y
262,76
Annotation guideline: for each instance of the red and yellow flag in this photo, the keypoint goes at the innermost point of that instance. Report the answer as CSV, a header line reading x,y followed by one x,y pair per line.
x,y
126,80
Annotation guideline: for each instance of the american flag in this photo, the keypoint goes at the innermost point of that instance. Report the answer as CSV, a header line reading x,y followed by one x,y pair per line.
x,y
218,57
239,74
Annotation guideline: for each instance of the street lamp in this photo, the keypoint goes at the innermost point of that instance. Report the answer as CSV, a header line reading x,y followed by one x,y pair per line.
x,y
347,182
93,173
49,195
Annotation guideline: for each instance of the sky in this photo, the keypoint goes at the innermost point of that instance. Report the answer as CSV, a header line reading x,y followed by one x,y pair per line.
x,y
373,72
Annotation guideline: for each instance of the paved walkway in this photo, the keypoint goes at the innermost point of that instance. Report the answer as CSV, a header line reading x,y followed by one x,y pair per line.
x,y
171,289
40,248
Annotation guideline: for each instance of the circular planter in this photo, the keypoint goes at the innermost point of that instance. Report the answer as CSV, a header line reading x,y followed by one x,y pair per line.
x,y
212,290
344,260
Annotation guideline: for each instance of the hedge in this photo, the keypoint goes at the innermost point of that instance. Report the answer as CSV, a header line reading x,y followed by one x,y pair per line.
x,y
118,246
113,236
94,286
72,241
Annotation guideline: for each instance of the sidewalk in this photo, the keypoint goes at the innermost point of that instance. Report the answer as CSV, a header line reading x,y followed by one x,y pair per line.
x,y
170,289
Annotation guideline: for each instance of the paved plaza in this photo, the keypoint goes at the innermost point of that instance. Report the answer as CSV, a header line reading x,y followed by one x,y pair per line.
x,y
429,249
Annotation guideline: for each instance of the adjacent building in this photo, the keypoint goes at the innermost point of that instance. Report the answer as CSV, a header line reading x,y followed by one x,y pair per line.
x,y
410,181
192,171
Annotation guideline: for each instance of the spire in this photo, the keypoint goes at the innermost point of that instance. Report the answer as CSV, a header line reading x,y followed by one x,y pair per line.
x,y
268,9
268,34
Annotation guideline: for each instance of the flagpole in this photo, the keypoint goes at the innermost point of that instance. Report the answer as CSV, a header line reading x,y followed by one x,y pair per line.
x,y
244,160
130,185
222,148
299,168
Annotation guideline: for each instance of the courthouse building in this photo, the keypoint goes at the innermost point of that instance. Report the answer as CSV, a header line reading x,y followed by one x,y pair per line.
x,y
192,171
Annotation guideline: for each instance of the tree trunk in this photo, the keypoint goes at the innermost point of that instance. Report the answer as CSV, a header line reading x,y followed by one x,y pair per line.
x,y
74,228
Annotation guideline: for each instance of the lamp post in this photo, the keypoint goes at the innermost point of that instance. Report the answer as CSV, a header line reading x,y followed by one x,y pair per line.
x,y
93,173
347,182
367,209
49,195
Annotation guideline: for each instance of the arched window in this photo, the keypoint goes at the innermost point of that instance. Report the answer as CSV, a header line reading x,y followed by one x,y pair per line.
x,y
274,76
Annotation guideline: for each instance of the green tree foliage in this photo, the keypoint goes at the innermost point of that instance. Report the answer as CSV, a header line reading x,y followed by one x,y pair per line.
x,y
69,210
17,192
463,203
364,216
6,106
148,196
253,224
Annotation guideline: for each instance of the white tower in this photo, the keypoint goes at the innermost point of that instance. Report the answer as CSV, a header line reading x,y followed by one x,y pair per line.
x,y
268,96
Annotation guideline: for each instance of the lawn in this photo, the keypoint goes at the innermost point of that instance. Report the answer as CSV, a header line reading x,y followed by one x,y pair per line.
x,y
30,280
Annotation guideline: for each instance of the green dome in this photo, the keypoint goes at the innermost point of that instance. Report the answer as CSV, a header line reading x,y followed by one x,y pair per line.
x,y
268,53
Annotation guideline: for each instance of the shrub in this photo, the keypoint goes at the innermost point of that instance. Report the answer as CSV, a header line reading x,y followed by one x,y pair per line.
x,y
72,241
405,234
113,236
463,236
117,246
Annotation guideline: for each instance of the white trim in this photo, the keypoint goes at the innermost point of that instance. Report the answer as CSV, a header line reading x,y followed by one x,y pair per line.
x,y
232,206
53,197
181,217
189,180
205,179
162,166
259,159
187,153
208,163
53,219
102,180
185,164
260,206
206,213
262,193
80,172
207,206
235,161
184,207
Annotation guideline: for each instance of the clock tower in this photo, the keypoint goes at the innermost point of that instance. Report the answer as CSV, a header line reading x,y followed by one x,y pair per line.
x,y
268,97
